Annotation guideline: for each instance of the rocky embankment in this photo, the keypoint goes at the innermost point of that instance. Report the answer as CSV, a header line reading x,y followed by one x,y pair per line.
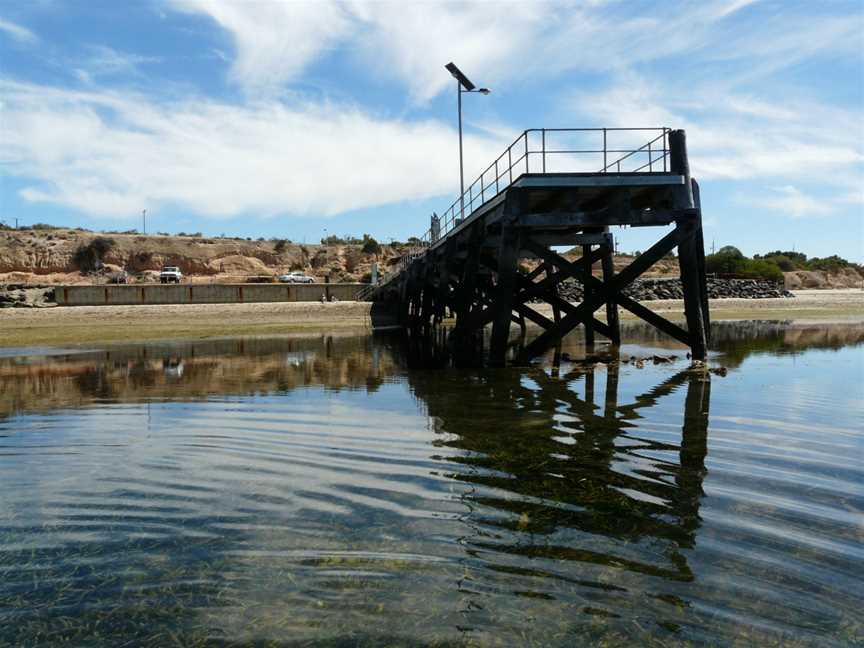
x,y
21,296
648,289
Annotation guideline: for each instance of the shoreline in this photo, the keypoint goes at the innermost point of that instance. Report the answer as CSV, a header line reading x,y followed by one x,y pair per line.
x,y
90,325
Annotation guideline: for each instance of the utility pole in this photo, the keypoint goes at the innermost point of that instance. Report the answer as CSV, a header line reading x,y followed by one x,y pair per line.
x,y
144,219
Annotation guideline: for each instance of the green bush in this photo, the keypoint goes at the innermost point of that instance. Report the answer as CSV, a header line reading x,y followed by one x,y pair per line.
x,y
341,240
832,263
786,260
723,262
782,261
730,261
370,245
280,246
760,269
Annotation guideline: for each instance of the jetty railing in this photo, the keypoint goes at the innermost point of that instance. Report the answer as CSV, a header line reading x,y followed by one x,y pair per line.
x,y
545,151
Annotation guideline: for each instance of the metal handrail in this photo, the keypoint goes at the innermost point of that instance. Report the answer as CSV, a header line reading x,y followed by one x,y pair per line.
x,y
499,176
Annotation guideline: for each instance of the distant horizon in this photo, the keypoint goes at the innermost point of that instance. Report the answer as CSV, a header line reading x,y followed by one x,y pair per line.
x,y
296,120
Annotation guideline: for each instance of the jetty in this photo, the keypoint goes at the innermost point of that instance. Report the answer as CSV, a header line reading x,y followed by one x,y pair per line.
x,y
556,188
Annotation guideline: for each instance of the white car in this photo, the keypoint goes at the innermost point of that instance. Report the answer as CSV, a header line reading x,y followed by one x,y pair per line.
x,y
170,274
295,277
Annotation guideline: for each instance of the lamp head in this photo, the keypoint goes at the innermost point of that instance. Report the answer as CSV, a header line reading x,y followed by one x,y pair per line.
x,y
457,74
484,91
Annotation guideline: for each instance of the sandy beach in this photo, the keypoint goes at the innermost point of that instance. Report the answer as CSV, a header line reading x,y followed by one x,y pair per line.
x,y
89,325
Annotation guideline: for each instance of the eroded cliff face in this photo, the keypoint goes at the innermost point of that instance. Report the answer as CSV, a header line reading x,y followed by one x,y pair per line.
x,y
807,279
47,256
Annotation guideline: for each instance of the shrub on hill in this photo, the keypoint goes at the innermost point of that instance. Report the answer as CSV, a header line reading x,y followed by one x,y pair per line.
x,y
370,245
341,240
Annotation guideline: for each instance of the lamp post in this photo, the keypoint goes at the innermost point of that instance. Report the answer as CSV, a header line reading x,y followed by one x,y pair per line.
x,y
463,84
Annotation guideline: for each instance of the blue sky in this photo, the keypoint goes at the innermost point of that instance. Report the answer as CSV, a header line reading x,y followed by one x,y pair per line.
x,y
288,119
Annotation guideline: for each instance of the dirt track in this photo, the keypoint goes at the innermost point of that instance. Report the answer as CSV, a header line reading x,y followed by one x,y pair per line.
x,y
89,325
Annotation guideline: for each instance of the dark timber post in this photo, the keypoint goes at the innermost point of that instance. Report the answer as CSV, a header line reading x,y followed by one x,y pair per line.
x,y
700,252
466,293
556,310
689,225
586,292
502,300
611,306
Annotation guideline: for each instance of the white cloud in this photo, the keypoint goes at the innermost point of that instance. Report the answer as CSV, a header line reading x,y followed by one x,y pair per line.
x,y
411,42
275,41
792,201
106,60
731,6
741,137
110,153
502,43
17,32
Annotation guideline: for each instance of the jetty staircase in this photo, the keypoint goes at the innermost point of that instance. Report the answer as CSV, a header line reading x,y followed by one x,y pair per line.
x,y
552,188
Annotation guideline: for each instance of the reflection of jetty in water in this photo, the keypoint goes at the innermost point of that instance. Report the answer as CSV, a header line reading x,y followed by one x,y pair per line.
x,y
575,465
734,339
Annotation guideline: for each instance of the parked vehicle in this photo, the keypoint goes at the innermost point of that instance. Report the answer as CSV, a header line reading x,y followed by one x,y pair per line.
x,y
170,274
296,277
121,277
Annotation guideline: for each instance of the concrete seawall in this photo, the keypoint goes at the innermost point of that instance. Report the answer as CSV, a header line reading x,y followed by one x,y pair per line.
x,y
201,293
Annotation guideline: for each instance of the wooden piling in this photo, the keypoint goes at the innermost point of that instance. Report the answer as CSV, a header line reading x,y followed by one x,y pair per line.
x,y
608,266
588,266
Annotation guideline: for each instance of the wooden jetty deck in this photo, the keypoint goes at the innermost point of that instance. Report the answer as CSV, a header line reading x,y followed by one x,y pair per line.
x,y
523,206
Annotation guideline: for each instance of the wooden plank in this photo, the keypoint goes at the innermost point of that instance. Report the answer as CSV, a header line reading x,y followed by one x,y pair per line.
x,y
555,180
531,314
599,218
669,328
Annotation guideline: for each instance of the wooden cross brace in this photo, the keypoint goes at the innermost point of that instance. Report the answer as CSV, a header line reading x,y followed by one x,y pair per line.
x,y
543,289
605,291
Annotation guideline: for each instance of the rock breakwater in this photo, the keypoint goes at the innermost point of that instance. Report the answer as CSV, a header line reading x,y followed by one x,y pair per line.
x,y
23,296
648,289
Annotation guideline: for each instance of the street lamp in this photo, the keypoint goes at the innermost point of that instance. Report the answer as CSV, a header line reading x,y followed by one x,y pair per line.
x,y
463,84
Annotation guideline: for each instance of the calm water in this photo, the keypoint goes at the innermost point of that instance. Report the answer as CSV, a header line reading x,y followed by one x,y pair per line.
x,y
329,491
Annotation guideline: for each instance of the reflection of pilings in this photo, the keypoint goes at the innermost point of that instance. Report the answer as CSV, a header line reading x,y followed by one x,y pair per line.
x,y
694,448
611,400
581,484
